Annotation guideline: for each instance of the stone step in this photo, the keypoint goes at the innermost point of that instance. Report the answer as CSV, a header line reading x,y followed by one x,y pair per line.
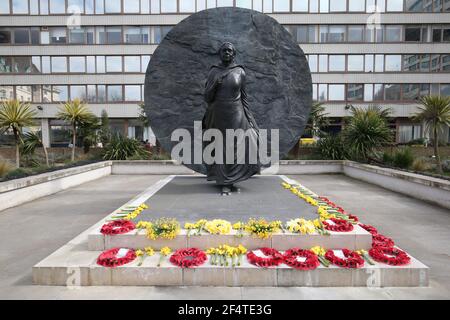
x,y
356,239
79,268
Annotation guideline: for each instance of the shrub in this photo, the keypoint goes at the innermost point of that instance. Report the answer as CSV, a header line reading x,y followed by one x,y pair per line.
x,y
19,173
403,158
332,147
124,148
420,165
5,168
387,158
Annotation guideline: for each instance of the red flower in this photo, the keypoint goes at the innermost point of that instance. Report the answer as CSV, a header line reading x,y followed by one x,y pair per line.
x,y
311,262
378,240
188,257
352,259
109,258
369,228
274,258
381,254
117,227
340,225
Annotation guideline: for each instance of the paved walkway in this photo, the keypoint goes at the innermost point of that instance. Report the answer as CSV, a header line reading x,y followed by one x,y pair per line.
x,y
32,231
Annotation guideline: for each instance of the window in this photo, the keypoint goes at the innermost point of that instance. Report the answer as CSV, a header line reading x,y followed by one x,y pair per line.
x,y
281,6
60,93
24,93
355,33
356,5
90,64
324,6
99,7
19,6
35,32
78,92
435,63
314,92
101,66
77,64
323,33
91,93
379,63
355,92
323,92
133,93
393,33
89,6
22,65
115,93
239,3
21,36
75,6
446,34
57,35
355,63
144,63
226,3
113,64
302,34
168,6
188,5
411,62
445,90
101,93
57,6
337,63
338,5
437,34
378,92
300,5
4,7
412,33
392,92
445,61
76,36
112,6
267,6
131,6
368,92
5,36
114,35
425,63
145,6
6,64
394,5
312,34
37,93
323,63
45,64
160,33
313,6
154,5
336,92
414,5
36,64
132,63
411,91
393,63
59,64
312,60
34,7
6,93
132,35
336,34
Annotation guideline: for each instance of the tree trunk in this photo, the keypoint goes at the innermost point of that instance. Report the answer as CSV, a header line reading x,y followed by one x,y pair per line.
x,y
46,155
16,138
74,139
436,149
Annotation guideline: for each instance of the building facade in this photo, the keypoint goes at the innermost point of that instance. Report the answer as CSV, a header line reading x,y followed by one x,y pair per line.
x,y
361,52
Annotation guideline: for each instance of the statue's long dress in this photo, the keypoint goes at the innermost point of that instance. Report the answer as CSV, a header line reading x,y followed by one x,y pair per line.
x,y
228,109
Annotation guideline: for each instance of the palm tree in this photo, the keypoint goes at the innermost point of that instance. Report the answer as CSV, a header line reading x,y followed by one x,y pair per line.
x,y
366,130
15,115
76,113
31,141
317,120
435,114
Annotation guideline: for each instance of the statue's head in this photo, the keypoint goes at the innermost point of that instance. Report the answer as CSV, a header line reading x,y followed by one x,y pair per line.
x,y
227,52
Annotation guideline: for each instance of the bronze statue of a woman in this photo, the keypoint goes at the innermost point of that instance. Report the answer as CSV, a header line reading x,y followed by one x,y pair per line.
x,y
228,108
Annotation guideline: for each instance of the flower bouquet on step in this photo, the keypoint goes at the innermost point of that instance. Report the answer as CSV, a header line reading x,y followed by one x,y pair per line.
x,y
164,252
142,254
262,228
320,252
197,227
164,228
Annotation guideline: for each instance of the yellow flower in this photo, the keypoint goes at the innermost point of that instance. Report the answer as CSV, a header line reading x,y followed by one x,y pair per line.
x,y
211,251
143,224
218,226
149,251
361,252
318,250
188,226
241,249
139,253
238,226
165,251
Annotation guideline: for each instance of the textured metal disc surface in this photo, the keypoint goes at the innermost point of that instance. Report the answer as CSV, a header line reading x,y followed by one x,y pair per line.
x,y
278,77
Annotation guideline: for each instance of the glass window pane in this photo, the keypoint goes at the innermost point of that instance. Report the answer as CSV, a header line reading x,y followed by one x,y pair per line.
x,y
445,90
281,6
368,92
99,7
57,35
368,64
112,6
131,6
114,35
77,64
356,5
113,64
323,33
355,92
6,93
5,36
435,63
187,5
37,93
356,33
22,65
378,92
144,63
59,64
21,36
313,6
411,91
424,89
338,5
324,6
100,36
4,7
394,5
101,93
78,92
312,60
75,6
34,7
411,62
57,6
336,34
36,64
46,64
300,5
145,6
168,6
323,92
323,63
60,93
115,93
154,6
89,6
132,35
414,5
6,64
393,63
132,64
312,34
19,6
393,33
337,63
267,6
101,68
445,62
91,93
412,33
225,3
392,92
201,4
336,92
379,63
425,63
35,33
133,93
90,63
24,93
76,36
314,92
355,62
446,34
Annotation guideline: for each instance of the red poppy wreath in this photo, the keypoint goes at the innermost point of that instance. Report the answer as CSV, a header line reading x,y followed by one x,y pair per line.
x,y
116,257
291,259
352,259
391,256
340,225
371,229
188,258
272,257
378,240
117,227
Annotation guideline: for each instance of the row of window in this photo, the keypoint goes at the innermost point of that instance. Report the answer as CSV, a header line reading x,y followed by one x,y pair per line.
x,y
377,92
138,64
155,34
74,64
358,92
45,7
379,63
369,33
61,93
84,35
